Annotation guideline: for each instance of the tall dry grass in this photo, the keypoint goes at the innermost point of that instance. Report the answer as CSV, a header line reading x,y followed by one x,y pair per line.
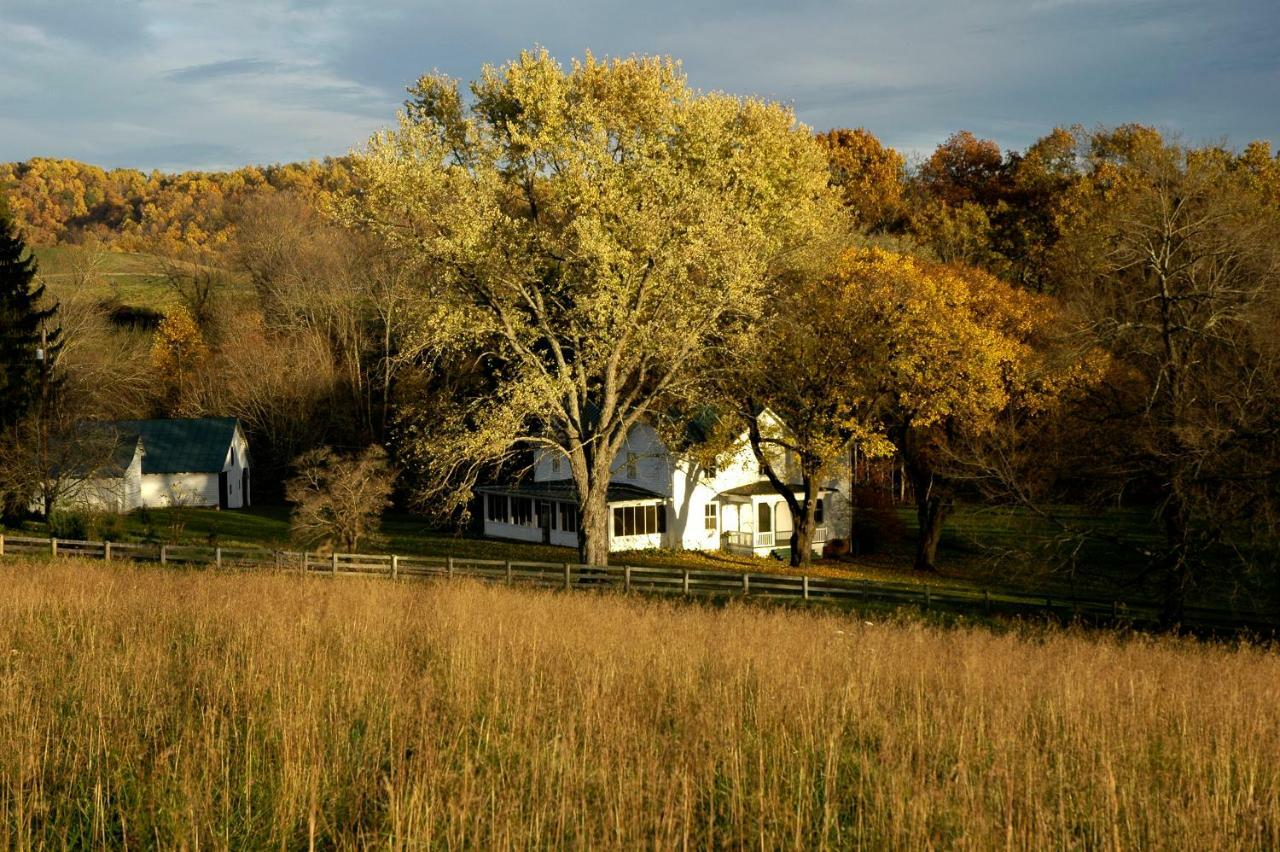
x,y
188,709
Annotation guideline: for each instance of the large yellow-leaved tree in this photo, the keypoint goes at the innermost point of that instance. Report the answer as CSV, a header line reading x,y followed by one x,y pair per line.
x,y
598,231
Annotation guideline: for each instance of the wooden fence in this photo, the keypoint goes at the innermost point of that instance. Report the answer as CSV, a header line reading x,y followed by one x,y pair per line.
x,y
654,580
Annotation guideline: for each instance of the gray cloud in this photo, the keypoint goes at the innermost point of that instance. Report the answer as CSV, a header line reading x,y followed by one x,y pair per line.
x,y
193,83
227,68
106,26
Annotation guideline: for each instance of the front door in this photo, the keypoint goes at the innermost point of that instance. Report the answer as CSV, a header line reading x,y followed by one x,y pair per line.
x,y
764,525
545,517
222,490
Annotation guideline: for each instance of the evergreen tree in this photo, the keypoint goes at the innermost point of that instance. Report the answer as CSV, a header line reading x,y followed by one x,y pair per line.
x,y
26,349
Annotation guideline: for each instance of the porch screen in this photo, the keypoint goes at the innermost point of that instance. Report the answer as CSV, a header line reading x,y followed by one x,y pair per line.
x,y
568,517
497,507
522,511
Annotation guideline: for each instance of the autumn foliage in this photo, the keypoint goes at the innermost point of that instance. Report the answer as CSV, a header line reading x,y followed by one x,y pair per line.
x,y
63,200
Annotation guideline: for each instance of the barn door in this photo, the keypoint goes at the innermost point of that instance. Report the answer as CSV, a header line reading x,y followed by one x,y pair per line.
x,y
222,490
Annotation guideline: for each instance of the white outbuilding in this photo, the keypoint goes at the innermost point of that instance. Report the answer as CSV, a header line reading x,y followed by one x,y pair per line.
x,y
202,461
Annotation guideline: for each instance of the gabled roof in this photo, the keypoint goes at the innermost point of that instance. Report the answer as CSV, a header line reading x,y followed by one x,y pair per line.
x,y
764,487
122,454
194,445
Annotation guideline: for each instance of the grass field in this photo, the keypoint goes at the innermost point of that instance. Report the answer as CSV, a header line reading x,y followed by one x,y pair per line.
x,y
180,709
128,278
132,279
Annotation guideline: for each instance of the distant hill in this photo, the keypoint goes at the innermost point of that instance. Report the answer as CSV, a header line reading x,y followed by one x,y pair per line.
x,y
59,201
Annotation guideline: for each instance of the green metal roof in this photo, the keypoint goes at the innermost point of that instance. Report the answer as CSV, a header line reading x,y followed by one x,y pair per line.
x,y
564,489
196,445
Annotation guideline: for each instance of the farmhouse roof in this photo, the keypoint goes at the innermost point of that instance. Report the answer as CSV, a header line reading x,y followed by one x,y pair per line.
x,y
194,445
761,488
564,489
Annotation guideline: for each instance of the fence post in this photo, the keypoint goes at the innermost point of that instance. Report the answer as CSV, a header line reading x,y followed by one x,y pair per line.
x,y
333,563
626,578
217,557
746,584
1115,609
53,547
568,581
276,554
509,578
306,558
395,565
686,581
449,567
928,598
805,578
1,544
164,554
106,551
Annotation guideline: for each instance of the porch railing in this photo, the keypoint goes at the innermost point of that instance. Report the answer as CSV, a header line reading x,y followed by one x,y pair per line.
x,y
736,540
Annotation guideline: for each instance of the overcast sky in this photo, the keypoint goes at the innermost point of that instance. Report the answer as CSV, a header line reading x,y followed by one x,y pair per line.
x,y
176,84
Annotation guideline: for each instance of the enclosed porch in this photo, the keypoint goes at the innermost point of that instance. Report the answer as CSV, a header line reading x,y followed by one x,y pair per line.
x,y
547,513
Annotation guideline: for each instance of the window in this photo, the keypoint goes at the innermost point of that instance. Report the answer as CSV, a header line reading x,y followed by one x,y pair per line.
x,y
568,517
555,464
639,520
710,517
497,507
632,464
817,513
522,511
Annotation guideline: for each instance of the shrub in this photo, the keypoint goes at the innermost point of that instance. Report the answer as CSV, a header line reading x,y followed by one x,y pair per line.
x,y
338,500
70,523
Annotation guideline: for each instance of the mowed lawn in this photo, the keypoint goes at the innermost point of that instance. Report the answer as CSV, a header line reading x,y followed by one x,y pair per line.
x,y
997,549
144,707
407,534
134,279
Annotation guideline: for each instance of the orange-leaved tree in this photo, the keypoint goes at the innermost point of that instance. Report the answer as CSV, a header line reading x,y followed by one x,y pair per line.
x,y
868,174
944,351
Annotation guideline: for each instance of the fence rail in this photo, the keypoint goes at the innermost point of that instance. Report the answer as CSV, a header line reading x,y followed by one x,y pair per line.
x,y
705,583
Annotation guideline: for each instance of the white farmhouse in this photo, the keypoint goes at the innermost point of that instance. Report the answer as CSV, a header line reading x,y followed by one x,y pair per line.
x,y
192,462
662,499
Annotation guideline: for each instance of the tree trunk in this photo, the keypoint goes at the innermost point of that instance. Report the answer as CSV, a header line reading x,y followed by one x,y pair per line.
x,y
593,528
801,542
931,514
803,524
932,507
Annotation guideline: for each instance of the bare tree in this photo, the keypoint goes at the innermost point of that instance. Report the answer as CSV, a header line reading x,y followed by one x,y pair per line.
x,y
1173,268
340,499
